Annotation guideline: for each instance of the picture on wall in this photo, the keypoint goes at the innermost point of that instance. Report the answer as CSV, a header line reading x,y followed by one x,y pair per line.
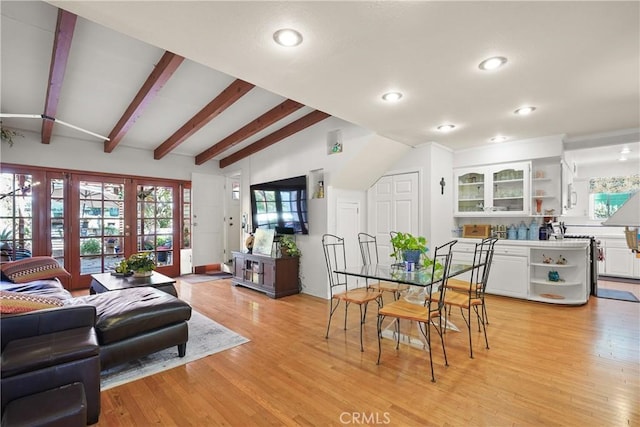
x,y
263,241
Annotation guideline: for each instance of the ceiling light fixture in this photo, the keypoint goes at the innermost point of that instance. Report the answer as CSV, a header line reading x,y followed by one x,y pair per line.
x,y
523,111
287,37
446,128
492,63
392,96
622,159
499,138
625,150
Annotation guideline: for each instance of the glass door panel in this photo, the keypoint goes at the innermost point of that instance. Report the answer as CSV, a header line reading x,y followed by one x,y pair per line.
x,y
155,222
101,225
57,218
16,216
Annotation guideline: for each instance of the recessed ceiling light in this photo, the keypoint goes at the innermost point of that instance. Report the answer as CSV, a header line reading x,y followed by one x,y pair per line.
x,y
622,159
523,111
446,128
625,150
392,96
492,63
499,138
287,37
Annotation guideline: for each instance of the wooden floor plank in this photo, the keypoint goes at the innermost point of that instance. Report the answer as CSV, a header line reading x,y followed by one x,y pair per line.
x,y
547,365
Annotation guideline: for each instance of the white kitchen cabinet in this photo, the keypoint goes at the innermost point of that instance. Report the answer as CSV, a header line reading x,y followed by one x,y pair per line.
x,y
509,272
497,190
619,261
570,264
545,187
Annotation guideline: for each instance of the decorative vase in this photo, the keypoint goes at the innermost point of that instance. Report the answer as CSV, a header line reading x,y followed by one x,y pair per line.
x,y
142,273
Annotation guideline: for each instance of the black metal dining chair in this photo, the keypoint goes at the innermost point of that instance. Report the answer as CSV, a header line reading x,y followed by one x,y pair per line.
x,y
369,251
429,312
470,294
340,290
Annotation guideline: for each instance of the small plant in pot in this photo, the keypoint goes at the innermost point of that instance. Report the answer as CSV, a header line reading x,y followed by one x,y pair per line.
x,y
142,264
288,246
408,247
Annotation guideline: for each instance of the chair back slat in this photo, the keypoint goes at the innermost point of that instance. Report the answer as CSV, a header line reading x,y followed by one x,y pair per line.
x,y
336,259
368,248
482,259
440,268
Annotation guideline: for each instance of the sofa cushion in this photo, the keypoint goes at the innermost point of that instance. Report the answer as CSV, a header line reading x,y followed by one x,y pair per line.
x,y
34,268
126,313
43,351
47,288
18,302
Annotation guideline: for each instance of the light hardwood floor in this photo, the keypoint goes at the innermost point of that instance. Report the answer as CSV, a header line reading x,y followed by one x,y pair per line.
x,y
548,365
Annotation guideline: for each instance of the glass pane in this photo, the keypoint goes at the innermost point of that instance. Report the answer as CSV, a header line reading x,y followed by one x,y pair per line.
x,y
90,265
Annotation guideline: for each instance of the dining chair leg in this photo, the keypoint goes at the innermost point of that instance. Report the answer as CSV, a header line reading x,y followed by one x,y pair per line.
x,y
441,329
332,310
362,323
484,328
379,326
346,310
425,328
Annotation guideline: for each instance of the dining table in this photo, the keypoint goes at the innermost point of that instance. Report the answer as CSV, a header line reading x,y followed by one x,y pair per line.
x,y
418,279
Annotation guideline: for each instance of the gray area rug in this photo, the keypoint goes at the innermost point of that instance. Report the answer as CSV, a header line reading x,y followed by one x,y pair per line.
x,y
206,337
616,294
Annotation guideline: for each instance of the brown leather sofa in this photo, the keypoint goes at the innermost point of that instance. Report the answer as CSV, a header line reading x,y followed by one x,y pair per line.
x,y
45,349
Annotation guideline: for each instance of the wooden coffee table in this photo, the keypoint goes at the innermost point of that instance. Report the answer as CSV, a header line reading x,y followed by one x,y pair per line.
x,y
105,282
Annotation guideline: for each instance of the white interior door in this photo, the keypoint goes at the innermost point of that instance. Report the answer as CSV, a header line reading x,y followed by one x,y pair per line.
x,y
208,218
395,206
232,217
347,227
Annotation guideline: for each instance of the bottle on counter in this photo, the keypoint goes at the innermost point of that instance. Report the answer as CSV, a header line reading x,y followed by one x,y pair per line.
x,y
542,232
533,230
523,231
512,233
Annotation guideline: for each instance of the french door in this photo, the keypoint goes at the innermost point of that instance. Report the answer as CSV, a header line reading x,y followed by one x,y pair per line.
x,y
112,218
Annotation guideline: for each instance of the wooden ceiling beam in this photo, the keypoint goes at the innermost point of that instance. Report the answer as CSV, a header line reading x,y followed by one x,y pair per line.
x,y
227,97
275,114
290,129
160,75
65,26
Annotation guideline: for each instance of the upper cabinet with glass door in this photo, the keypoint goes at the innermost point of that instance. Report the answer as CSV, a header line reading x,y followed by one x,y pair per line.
x,y
498,190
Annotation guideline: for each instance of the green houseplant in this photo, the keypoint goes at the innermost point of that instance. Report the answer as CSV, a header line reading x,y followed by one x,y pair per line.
x,y
408,247
288,246
142,264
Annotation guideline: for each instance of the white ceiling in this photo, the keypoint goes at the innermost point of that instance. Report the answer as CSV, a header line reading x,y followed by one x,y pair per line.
x,y
577,62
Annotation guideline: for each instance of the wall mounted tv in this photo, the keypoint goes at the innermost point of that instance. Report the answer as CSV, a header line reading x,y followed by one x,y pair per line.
x,y
281,205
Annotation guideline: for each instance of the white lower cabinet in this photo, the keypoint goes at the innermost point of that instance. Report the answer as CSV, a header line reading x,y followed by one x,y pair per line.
x,y
509,273
559,275
519,269
619,261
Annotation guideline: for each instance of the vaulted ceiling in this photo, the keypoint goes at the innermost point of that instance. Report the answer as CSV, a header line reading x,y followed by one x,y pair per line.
x,y
204,79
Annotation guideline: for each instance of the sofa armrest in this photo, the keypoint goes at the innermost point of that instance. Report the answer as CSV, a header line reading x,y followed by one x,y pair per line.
x,y
47,321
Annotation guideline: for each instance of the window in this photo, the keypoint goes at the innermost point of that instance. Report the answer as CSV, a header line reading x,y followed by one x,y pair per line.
x,y
16,215
606,195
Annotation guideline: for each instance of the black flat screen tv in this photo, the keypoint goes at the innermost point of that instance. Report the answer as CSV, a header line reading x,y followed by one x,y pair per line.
x,y
281,205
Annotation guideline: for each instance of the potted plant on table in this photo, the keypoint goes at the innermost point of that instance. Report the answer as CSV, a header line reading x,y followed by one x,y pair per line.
x,y
410,248
142,264
288,246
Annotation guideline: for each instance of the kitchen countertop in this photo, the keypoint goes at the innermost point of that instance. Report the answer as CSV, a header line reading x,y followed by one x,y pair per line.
x,y
564,243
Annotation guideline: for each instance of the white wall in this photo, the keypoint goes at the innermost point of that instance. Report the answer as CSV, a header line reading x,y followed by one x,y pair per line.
x,y
510,151
84,155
